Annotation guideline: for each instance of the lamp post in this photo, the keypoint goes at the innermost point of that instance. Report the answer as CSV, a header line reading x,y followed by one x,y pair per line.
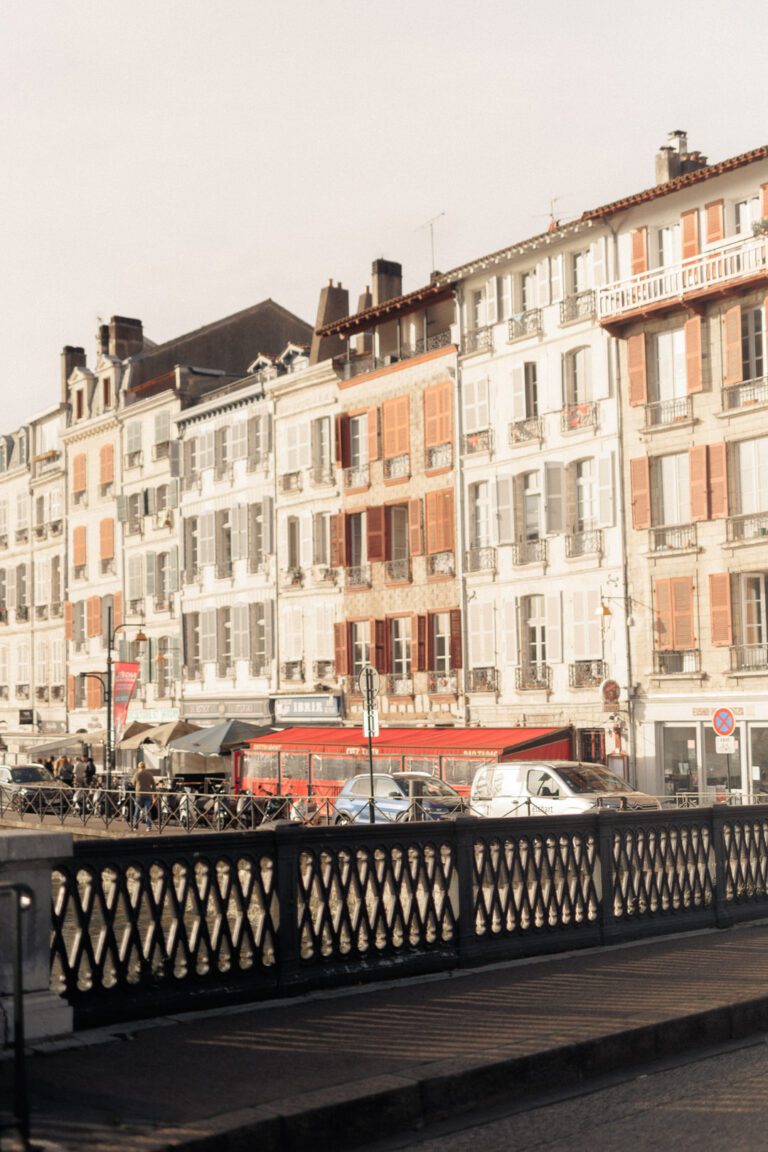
x,y
111,633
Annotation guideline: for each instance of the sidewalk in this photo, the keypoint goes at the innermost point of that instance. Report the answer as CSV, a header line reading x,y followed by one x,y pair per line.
x,y
335,1071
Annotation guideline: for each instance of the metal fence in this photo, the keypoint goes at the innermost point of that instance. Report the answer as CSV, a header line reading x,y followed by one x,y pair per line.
x,y
144,926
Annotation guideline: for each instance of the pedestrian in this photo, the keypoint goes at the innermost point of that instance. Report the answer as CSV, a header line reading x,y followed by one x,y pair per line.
x,y
80,780
90,772
66,771
48,763
144,789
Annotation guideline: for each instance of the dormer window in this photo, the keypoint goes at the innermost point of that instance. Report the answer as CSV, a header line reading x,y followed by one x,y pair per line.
x,y
3,456
106,393
79,404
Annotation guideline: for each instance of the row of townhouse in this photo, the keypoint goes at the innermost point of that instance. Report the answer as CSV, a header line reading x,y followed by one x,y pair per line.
x,y
533,492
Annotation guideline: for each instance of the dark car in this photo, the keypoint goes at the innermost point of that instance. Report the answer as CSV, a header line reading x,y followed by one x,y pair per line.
x,y
396,797
31,788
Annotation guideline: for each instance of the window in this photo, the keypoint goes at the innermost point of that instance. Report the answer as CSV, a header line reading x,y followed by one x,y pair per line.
x,y
752,356
753,608
579,272
190,549
106,392
747,213
397,526
293,538
533,649
477,309
440,642
479,514
192,644
400,648
321,538
671,492
360,642
532,505
668,245
528,290
239,441
133,442
79,404
356,540
586,495
576,379
752,475
22,513
321,449
669,379
358,441
476,410
206,451
223,528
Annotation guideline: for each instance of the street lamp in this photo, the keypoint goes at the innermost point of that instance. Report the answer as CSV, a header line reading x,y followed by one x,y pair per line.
x,y
140,638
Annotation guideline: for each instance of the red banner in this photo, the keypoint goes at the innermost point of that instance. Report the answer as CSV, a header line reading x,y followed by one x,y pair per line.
x,y
123,686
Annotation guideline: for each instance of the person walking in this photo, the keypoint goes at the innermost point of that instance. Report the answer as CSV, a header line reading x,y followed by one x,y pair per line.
x,y
144,787
80,779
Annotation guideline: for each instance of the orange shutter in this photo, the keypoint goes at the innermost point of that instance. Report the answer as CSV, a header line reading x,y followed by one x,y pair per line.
x,y
340,637
416,542
732,340
662,603
342,441
93,692
93,615
107,540
421,644
640,476
337,540
78,546
78,473
764,201
117,609
639,251
71,693
697,467
715,222
374,525
720,609
69,620
373,433
395,431
381,646
718,481
638,385
683,631
456,645
106,464
693,373
431,416
689,222
440,522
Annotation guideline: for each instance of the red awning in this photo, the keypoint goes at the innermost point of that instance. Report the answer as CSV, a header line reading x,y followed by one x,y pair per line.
x,y
490,742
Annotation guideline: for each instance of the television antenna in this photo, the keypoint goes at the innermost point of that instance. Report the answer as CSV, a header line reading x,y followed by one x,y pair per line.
x,y
431,225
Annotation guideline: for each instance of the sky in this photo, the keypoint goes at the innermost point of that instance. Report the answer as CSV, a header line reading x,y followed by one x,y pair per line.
x,y
179,160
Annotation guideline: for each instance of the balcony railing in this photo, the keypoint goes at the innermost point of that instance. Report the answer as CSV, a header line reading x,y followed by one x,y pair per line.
x,y
359,576
443,683
290,482
223,569
523,431
397,571
357,476
533,677
480,441
22,612
41,693
292,670
107,567
40,531
322,574
352,366
321,476
397,467
57,608
481,340
480,560
438,456
441,564
580,306
57,692
525,324
586,673
529,552
56,527
584,543
291,578
673,539
662,413
133,459
739,259
676,662
41,611
746,394
751,527
576,416
22,692
22,535
324,670
749,658
398,685
482,680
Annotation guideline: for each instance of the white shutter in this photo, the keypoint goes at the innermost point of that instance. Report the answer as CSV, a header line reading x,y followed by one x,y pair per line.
x,y
518,392
509,609
239,440
268,524
208,635
481,636
542,282
597,260
556,278
554,486
135,578
240,645
605,490
325,617
471,406
504,504
10,590
492,301
554,629
206,538
506,298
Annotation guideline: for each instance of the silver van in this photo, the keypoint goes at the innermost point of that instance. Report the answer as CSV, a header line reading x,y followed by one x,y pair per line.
x,y
551,787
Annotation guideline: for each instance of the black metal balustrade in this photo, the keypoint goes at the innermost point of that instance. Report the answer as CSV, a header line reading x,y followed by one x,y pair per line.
x,y
672,539
662,413
524,324
579,306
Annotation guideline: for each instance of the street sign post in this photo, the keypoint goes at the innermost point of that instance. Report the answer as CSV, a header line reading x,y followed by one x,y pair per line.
x,y
368,682
724,725
725,746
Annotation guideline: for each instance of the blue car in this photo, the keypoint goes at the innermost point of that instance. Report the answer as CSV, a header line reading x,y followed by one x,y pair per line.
x,y
396,797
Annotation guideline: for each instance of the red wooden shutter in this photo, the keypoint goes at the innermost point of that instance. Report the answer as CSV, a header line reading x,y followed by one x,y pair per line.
x,y
421,644
638,385
693,366
373,433
69,620
662,622
720,609
107,540
640,478
78,473
689,222
337,540
106,464
71,693
416,541
732,339
683,631
431,416
78,546
93,615
341,648
718,481
381,648
445,413
93,692
456,646
639,251
394,424
342,440
715,222
374,525
697,468
447,524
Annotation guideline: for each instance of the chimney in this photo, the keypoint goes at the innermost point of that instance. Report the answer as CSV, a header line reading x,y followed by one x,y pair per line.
x,y
364,340
674,159
71,358
387,280
126,337
103,339
333,305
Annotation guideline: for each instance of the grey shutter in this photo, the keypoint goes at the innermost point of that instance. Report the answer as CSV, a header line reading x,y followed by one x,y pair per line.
x,y
173,493
240,645
173,569
269,612
504,503
150,572
267,507
174,457
553,498
122,508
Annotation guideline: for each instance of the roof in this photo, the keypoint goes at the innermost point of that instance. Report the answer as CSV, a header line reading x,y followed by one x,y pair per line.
x,y
445,741
430,293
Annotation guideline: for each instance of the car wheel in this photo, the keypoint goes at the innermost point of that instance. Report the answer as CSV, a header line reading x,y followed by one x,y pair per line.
x,y
343,818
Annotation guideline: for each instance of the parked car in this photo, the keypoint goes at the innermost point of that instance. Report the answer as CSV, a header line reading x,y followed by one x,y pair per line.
x,y
396,797
31,788
551,787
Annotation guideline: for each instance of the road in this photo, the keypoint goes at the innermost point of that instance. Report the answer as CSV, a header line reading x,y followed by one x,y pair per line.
x,y
716,1101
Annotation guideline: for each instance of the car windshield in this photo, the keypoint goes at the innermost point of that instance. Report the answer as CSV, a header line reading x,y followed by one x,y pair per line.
x,y
592,778
30,774
426,787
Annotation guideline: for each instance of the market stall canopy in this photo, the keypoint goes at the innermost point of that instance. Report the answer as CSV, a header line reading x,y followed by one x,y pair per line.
x,y
162,735
134,728
221,738
68,742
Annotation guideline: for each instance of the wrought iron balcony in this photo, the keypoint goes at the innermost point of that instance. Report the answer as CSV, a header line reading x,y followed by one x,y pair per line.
x,y
746,394
588,543
441,564
750,527
443,683
323,669
745,258
398,685
41,612
322,574
662,413
22,692
480,559
358,576
576,416
749,658
133,459
397,571
397,467
586,673
580,306
525,324
22,613
438,456
57,608
673,539
480,340
292,670
358,476
291,578
56,527
40,531
529,552
523,431
676,662
480,441
482,680
533,677
223,569
322,476
41,693
290,482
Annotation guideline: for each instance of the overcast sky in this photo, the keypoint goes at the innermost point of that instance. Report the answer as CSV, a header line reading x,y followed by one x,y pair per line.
x,y
178,160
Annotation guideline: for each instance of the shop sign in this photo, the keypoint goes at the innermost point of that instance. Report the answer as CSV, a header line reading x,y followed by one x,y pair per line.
x,y
307,707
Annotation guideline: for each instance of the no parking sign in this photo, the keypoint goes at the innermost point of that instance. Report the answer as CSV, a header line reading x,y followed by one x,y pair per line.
x,y
723,722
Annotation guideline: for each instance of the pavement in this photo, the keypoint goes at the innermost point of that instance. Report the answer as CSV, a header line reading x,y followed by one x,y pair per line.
x,y
335,1071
